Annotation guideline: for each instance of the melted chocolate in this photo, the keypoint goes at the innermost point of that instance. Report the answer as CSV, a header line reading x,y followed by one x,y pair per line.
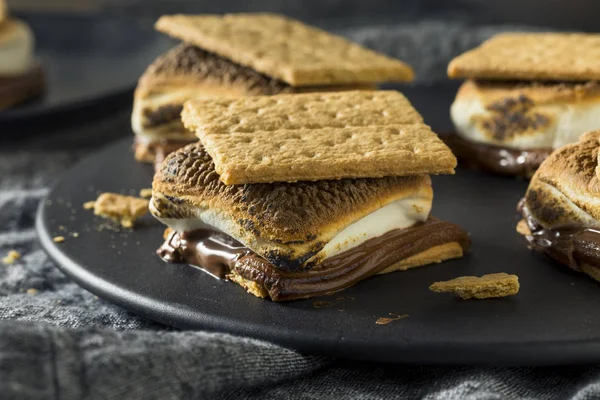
x,y
496,159
221,255
214,252
570,246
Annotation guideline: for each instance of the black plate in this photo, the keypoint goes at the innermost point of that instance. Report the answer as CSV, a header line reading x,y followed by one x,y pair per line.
x,y
89,61
555,319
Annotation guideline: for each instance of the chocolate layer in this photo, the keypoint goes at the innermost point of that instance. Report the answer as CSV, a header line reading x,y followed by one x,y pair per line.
x,y
496,159
20,88
571,246
221,255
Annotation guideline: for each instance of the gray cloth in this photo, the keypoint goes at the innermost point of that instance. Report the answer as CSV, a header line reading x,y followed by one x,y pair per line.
x,y
58,341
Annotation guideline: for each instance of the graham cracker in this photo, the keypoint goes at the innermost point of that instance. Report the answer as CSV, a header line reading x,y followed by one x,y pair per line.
x,y
532,56
486,286
123,209
316,136
284,48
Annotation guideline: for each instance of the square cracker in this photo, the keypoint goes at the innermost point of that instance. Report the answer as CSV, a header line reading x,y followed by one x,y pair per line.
x,y
316,136
532,56
286,49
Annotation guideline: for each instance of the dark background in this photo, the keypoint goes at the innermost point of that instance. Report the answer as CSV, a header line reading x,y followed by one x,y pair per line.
x,y
561,14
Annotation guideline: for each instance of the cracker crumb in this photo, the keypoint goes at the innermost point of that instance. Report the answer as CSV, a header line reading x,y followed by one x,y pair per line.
x,y
120,208
88,205
75,234
11,257
523,228
387,320
58,239
484,287
146,193
32,291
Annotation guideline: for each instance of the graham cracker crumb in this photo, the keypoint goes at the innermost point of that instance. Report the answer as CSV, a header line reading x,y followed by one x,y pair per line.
x,y
120,208
11,257
146,193
32,291
523,228
58,239
88,205
75,234
387,320
484,287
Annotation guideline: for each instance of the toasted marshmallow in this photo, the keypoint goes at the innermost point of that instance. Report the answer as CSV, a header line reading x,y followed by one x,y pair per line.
x,y
16,48
526,115
292,225
565,191
399,214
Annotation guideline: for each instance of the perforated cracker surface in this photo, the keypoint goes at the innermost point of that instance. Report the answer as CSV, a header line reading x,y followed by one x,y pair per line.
x,y
532,56
285,48
316,136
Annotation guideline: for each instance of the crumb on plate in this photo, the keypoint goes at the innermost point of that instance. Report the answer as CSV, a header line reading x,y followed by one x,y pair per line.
x,y
484,287
11,257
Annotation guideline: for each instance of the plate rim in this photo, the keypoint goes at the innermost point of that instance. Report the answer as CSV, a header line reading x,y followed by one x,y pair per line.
x,y
534,353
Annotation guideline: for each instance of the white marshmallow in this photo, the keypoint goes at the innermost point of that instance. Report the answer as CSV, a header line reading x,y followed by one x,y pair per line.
x,y
570,120
399,214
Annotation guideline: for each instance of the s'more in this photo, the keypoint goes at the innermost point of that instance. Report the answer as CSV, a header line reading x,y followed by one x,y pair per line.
x,y
561,208
237,55
21,76
298,195
525,95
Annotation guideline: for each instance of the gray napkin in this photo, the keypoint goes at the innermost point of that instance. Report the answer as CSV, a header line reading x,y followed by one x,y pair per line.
x,y
58,341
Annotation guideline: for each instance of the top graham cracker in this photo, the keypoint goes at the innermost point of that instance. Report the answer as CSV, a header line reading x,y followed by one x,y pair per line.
x,y
532,56
316,136
286,49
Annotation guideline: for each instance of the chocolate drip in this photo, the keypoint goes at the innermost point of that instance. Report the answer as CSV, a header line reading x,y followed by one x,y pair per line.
x,y
496,159
570,245
212,251
221,255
